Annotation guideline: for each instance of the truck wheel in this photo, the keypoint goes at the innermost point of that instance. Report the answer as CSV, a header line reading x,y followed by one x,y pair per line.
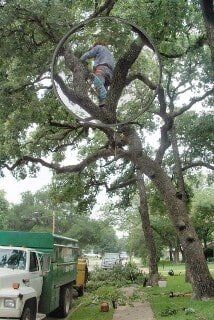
x,y
65,302
80,291
28,313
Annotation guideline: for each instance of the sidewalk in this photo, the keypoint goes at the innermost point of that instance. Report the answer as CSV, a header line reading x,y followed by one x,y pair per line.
x,y
136,311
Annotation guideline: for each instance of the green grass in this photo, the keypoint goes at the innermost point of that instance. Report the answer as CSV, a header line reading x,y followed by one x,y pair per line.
x,y
178,268
159,299
160,302
91,313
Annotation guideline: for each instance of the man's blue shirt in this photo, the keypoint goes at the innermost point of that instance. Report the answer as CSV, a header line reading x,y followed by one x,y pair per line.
x,y
101,54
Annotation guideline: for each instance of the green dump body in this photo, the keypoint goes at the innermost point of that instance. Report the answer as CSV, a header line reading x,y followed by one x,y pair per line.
x,y
63,252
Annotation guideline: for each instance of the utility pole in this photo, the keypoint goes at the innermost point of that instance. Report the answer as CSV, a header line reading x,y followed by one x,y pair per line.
x,y
54,223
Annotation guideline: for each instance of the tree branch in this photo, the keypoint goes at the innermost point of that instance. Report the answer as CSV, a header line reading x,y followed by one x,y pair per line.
x,y
143,78
39,21
63,124
164,140
103,153
197,44
120,73
198,164
29,84
121,185
105,9
168,121
191,103
69,144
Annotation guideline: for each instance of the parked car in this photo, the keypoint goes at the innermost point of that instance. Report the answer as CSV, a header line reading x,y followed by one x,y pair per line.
x,y
37,274
110,260
124,257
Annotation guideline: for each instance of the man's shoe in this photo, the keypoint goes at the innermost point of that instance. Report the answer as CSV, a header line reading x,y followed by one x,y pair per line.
x,y
102,103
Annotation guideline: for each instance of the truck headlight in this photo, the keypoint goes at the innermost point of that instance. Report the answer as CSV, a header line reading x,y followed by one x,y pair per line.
x,y
9,303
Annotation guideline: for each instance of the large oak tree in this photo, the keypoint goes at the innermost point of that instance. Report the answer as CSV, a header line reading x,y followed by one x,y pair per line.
x,y
33,127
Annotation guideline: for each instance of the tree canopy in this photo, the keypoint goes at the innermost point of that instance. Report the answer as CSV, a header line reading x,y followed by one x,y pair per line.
x,y
36,129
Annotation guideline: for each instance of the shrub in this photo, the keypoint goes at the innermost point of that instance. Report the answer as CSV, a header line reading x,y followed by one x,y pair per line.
x,y
104,293
119,276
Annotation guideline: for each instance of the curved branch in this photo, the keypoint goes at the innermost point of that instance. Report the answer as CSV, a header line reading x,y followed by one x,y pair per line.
x,y
192,102
121,185
103,153
143,78
198,164
64,124
168,121
80,99
208,14
120,73
165,141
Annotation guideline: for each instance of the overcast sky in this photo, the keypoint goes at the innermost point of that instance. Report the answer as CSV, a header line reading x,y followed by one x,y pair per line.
x,y
13,188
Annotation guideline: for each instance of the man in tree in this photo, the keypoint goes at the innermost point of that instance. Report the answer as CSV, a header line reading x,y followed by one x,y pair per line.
x,y
103,68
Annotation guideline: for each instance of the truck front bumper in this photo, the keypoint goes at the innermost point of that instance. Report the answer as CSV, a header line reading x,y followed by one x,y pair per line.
x,y
9,314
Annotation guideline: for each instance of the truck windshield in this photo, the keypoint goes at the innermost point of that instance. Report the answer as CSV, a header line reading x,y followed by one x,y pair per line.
x,y
12,259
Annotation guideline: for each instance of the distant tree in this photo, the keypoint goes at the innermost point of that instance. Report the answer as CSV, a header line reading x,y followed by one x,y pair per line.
x,y
93,234
4,209
202,214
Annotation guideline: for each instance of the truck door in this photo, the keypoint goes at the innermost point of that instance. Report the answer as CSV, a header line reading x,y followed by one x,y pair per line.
x,y
36,279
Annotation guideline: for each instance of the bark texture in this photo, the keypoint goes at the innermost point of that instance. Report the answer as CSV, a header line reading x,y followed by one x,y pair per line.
x,y
208,14
202,282
147,230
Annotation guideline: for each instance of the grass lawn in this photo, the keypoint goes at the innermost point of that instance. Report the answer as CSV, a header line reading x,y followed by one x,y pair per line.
x,y
184,307
181,308
164,267
91,313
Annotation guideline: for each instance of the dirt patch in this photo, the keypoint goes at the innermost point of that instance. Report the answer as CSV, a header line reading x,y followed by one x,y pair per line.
x,y
137,310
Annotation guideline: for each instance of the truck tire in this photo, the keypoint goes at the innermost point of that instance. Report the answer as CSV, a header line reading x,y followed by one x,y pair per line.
x,y
80,291
64,302
28,313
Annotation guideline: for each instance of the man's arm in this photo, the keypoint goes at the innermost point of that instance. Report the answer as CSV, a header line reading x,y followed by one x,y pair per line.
x,y
89,54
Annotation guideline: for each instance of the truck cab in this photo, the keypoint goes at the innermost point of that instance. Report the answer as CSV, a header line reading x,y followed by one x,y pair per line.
x,y
37,274
21,280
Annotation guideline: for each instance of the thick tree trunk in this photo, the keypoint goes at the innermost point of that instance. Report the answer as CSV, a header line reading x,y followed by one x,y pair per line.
x,y
188,277
202,282
208,14
180,185
178,167
176,255
147,230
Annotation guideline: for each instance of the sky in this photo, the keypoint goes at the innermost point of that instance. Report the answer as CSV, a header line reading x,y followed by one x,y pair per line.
x,y
13,187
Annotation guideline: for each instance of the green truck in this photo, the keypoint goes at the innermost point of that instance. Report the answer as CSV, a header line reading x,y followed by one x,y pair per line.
x,y
37,274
